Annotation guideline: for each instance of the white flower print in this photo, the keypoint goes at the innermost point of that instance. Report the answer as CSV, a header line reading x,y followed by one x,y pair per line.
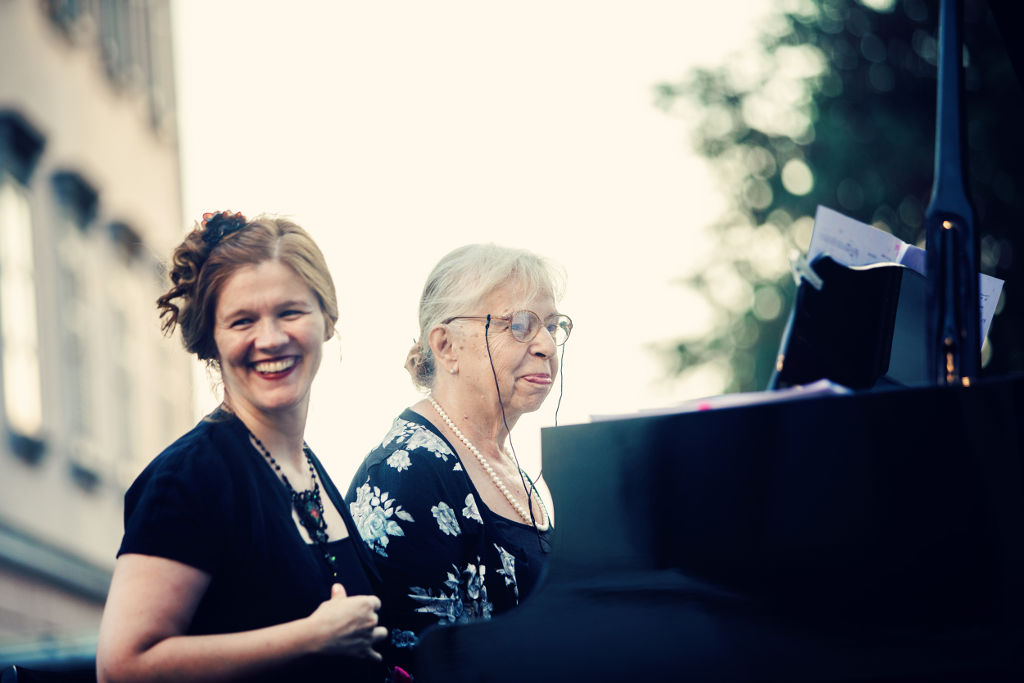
x,y
373,512
400,429
424,438
399,460
458,467
471,511
466,597
446,520
411,436
508,569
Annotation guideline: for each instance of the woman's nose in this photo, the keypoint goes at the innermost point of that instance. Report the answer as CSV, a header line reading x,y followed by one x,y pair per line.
x,y
544,343
270,335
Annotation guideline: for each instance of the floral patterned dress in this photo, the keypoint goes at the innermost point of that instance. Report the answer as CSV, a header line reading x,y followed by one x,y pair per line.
x,y
443,556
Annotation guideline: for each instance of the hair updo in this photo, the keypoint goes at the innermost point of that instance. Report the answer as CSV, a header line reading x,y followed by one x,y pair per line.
x,y
462,279
214,250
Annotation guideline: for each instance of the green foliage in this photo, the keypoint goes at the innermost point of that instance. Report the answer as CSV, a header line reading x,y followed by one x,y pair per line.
x,y
836,106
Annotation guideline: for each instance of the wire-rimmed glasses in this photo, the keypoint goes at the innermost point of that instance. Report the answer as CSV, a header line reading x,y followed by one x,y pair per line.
x,y
524,325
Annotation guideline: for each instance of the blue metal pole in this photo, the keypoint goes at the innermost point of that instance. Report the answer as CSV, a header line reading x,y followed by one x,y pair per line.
x,y
954,328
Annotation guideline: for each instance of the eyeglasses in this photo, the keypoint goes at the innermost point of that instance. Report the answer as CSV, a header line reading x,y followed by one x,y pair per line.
x,y
524,325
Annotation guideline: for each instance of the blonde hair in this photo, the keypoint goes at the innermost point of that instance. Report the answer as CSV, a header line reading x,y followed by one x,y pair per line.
x,y
200,266
462,279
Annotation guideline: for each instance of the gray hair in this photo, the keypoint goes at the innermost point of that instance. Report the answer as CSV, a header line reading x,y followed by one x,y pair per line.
x,y
462,280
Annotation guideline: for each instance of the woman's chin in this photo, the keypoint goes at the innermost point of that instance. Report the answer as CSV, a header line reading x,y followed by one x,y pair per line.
x,y
531,404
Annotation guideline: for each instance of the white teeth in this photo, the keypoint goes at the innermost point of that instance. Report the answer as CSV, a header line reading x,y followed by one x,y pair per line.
x,y
274,365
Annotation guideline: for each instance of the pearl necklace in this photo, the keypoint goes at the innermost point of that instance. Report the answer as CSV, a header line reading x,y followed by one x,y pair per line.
x,y
523,512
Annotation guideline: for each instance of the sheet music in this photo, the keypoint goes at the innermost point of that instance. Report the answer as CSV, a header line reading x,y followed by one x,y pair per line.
x,y
853,243
821,387
989,289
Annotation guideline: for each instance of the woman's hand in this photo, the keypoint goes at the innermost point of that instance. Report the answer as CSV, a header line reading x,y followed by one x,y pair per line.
x,y
348,625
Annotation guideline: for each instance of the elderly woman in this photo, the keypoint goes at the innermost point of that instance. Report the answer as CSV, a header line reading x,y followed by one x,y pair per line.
x,y
456,528
237,561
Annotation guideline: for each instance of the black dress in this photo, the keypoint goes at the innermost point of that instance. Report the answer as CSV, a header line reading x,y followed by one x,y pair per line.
x,y
210,501
443,556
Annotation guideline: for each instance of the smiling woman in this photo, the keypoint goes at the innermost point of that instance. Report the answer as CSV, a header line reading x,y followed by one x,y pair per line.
x,y
226,571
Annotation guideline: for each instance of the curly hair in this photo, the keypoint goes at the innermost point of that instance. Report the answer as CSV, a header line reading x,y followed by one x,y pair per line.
x,y
214,250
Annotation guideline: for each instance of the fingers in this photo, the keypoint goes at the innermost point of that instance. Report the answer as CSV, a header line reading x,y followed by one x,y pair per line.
x,y
376,635
338,591
371,602
360,643
361,609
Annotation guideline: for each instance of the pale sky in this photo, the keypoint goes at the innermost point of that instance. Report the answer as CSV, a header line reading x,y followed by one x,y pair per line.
x,y
397,131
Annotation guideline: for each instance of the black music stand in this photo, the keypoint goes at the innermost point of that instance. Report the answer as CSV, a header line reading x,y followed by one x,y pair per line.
x,y
860,327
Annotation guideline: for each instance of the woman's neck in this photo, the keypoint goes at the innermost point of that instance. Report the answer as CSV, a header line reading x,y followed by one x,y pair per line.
x,y
480,419
281,434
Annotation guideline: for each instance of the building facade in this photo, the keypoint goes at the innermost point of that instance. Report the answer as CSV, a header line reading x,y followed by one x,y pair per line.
x,y
90,390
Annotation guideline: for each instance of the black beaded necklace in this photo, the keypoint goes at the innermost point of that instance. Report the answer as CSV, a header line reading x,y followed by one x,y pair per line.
x,y
308,504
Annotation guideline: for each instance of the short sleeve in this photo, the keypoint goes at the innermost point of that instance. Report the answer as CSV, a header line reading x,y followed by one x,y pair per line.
x,y
179,508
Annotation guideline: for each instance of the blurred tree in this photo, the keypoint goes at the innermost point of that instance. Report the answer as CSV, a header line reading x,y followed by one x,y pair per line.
x,y
836,106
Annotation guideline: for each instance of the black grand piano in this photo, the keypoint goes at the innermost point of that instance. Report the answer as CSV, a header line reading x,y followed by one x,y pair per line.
x,y
877,536
881,537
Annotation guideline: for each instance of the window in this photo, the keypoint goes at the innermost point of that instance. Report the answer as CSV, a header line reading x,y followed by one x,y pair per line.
x,y
133,43
20,388
121,302
159,65
76,261
19,339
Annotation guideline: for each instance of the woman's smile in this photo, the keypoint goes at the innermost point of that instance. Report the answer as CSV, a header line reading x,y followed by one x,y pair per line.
x,y
275,368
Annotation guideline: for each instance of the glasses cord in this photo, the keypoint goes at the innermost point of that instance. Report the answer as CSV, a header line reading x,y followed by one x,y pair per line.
x,y
561,392
508,431
561,382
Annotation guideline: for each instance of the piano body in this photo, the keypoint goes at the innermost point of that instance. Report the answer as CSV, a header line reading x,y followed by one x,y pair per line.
x,y
875,536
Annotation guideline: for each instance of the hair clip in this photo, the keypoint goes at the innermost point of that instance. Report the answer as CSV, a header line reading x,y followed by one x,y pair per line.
x,y
218,225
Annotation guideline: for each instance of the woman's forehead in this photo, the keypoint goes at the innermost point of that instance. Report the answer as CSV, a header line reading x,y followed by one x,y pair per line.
x,y
516,296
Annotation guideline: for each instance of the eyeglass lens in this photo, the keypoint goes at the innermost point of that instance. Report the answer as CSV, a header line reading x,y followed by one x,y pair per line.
x,y
525,325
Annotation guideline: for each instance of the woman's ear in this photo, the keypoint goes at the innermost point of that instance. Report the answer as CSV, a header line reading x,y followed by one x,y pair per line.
x,y
330,328
442,346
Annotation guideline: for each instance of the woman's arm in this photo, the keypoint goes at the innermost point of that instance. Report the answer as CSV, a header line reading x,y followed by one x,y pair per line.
x,y
152,601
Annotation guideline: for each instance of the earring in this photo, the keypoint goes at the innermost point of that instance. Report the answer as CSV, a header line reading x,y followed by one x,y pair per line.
x,y
451,371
